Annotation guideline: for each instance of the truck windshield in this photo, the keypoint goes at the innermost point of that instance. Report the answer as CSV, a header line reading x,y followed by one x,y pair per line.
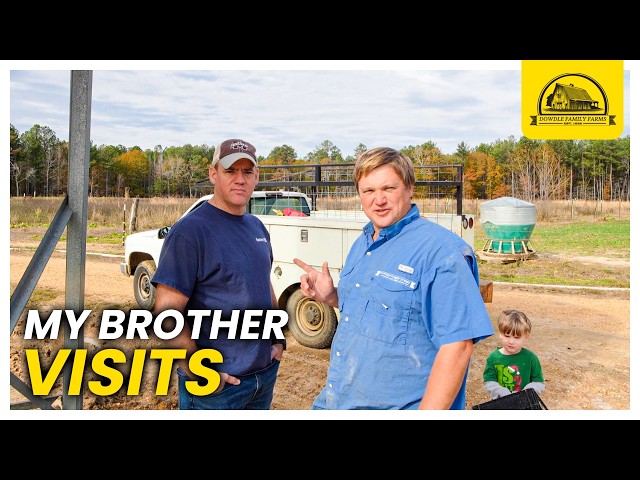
x,y
277,205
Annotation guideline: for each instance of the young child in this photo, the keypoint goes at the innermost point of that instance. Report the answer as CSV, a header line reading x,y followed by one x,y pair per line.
x,y
512,368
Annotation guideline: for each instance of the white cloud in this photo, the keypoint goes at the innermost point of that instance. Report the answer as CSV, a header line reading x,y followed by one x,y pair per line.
x,y
300,104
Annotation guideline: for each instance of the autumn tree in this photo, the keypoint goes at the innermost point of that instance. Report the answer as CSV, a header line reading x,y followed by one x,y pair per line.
x,y
103,169
425,154
132,166
586,169
483,177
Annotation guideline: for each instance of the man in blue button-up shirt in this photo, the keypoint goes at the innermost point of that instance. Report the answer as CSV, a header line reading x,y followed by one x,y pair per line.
x,y
410,306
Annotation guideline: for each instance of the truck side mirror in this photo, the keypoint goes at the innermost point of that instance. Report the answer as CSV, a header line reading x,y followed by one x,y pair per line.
x,y
163,232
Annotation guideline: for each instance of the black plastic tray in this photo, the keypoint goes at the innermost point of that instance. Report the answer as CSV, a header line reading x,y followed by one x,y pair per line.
x,y
526,399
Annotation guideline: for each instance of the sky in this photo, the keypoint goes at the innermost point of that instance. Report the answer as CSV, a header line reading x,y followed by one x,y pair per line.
x,y
296,103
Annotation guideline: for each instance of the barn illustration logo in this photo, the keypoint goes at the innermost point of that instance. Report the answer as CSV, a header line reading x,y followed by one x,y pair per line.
x,y
572,99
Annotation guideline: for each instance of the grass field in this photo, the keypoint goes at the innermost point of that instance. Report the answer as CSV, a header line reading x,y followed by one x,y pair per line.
x,y
610,238
583,253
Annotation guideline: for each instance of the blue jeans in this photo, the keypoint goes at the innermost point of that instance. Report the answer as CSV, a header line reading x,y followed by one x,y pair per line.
x,y
255,392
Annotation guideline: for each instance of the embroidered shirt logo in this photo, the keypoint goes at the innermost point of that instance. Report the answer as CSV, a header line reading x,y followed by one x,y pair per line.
x,y
396,279
405,268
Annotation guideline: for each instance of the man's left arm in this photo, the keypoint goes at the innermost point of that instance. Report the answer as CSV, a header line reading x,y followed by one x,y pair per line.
x,y
447,374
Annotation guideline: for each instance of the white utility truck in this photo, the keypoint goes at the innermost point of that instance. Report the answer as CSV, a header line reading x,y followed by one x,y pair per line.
x,y
313,236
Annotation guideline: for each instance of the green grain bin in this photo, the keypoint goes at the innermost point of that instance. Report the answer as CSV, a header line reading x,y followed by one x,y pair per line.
x,y
508,223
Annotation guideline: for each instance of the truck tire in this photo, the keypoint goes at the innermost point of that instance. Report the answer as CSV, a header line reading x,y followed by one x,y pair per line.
x,y
143,289
311,323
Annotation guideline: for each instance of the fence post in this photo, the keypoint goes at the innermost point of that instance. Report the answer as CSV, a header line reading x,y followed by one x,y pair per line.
x,y
133,219
124,221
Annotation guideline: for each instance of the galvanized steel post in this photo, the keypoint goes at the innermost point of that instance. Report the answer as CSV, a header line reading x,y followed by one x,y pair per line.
x,y
79,143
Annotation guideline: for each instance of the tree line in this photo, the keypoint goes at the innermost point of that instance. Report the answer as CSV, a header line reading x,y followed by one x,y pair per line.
x,y
524,168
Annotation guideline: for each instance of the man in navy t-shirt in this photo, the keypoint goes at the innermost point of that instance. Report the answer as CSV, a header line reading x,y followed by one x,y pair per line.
x,y
219,258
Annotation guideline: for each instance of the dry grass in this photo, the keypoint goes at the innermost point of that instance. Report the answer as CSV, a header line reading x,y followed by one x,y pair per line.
x,y
158,212
568,210
107,226
102,211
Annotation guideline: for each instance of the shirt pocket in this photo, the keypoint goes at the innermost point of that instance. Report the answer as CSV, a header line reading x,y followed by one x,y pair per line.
x,y
343,289
386,315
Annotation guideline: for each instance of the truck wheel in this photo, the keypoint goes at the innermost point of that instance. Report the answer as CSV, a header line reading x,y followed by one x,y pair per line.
x,y
143,290
311,323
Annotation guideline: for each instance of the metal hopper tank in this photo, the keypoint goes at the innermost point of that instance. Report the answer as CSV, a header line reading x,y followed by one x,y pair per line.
x,y
508,223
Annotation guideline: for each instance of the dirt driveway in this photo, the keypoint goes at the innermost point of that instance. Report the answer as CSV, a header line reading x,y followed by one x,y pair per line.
x,y
582,339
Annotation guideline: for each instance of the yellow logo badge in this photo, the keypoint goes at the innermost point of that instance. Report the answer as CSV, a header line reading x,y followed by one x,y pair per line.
x,y
572,99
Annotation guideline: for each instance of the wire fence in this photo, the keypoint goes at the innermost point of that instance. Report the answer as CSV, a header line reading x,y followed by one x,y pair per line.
x,y
438,188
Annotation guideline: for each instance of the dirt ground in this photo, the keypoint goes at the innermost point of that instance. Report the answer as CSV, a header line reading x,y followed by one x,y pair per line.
x,y
581,337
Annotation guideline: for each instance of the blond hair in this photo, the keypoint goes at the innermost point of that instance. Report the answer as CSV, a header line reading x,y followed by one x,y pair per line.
x,y
379,156
514,322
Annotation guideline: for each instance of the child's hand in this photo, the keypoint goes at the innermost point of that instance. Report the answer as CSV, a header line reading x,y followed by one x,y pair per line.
x,y
502,392
496,390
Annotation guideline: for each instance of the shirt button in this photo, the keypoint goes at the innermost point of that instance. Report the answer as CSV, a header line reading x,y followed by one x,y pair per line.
x,y
346,319
368,253
357,285
338,354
